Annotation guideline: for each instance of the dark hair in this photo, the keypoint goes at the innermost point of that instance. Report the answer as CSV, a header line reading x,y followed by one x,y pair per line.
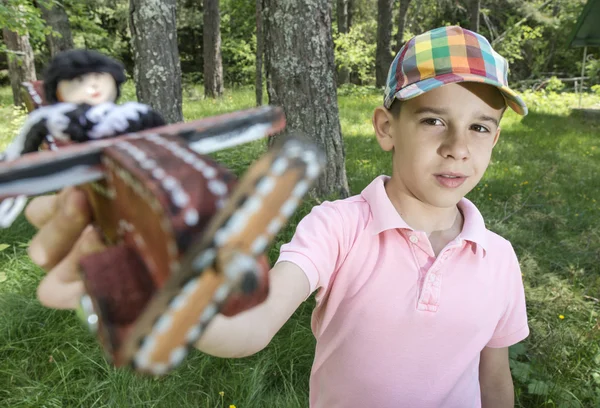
x,y
70,64
395,108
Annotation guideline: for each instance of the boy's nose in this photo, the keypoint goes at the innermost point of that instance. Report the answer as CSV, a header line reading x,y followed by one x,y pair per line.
x,y
455,146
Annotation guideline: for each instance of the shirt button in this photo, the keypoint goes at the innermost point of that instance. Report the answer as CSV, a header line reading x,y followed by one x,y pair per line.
x,y
414,239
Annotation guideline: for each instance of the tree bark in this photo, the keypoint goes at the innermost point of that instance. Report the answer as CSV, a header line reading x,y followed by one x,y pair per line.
x,y
351,5
157,68
474,7
300,67
56,17
342,15
213,64
342,24
404,4
21,65
259,53
383,57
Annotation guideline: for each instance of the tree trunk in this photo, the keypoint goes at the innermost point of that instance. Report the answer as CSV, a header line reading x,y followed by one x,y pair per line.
x,y
300,69
351,5
259,53
56,17
157,69
342,15
474,6
21,65
383,56
342,24
404,4
213,65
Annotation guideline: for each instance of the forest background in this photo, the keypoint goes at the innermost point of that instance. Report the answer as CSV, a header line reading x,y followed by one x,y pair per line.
x,y
533,35
541,191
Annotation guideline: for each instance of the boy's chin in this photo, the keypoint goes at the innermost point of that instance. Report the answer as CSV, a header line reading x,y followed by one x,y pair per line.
x,y
444,203
444,199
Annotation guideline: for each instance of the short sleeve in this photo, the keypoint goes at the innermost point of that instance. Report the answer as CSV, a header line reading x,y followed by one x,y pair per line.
x,y
317,245
513,325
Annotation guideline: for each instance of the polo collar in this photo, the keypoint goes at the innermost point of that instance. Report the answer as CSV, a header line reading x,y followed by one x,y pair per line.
x,y
474,229
385,217
383,213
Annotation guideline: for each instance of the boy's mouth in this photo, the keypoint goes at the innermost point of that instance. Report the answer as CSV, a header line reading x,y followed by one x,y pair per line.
x,y
450,180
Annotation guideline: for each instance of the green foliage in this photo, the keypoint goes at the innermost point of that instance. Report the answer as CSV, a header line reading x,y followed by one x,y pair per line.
x,y
511,47
12,117
22,17
554,85
239,59
4,78
358,91
556,103
539,46
238,41
355,52
102,25
533,35
592,70
534,38
189,35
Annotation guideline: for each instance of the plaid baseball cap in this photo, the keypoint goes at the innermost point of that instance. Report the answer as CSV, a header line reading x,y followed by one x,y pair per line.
x,y
446,55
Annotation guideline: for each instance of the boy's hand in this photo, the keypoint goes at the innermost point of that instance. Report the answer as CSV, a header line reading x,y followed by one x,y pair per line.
x,y
64,236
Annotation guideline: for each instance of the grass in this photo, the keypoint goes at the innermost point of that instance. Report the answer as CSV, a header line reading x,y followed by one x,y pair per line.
x,y
542,192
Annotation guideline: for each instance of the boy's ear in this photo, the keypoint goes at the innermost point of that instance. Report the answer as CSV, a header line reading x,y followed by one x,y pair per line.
x,y
382,124
497,136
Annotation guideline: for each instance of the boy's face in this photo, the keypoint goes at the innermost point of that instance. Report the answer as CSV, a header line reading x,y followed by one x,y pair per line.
x,y
442,140
92,88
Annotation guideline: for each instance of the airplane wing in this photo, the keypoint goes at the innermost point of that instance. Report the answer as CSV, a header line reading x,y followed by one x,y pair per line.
x,y
80,163
46,171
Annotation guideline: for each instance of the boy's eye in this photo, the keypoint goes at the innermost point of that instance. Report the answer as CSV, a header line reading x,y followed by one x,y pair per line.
x,y
479,128
432,121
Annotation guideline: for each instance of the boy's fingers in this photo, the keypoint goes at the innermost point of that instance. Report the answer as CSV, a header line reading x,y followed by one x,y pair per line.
x,y
67,295
43,208
40,210
60,233
62,287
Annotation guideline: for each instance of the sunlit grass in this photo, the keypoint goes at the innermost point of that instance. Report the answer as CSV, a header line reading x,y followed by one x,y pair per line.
x,y
541,191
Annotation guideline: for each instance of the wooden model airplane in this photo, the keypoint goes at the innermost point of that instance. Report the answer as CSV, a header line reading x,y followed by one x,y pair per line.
x,y
186,239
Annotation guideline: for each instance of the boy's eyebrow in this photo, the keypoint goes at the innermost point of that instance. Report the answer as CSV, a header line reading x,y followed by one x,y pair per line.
x,y
435,111
485,118
427,109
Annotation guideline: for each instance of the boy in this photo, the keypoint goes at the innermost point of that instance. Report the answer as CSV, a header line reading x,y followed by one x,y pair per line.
x,y
417,301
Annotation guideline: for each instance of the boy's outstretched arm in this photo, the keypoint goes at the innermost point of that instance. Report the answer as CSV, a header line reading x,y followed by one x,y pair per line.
x,y
495,379
249,332
64,237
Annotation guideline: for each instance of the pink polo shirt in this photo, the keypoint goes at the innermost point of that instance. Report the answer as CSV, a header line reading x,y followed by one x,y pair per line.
x,y
396,327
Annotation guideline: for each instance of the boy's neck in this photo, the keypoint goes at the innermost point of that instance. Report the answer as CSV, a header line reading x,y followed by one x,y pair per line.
x,y
433,221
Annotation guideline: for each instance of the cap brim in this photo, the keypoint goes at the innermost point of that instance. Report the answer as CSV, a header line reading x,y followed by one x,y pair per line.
x,y
514,101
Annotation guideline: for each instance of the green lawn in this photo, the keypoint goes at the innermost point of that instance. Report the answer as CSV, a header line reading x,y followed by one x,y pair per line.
x,y
542,192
